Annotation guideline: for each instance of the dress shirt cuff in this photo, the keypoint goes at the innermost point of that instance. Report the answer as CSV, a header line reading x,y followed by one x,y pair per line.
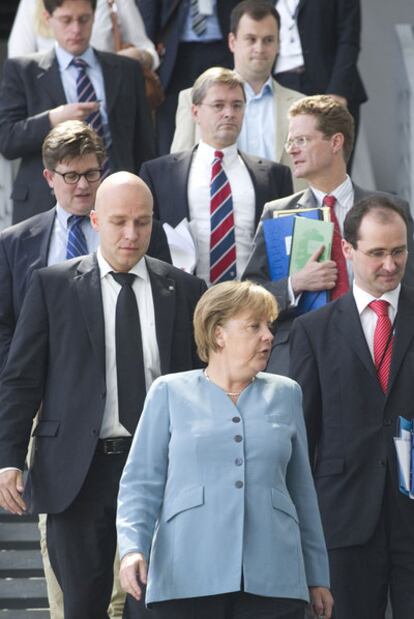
x,y
9,468
293,300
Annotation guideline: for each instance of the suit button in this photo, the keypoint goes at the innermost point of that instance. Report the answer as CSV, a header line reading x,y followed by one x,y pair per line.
x,y
103,395
238,438
238,461
387,422
239,484
382,462
236,419
95,432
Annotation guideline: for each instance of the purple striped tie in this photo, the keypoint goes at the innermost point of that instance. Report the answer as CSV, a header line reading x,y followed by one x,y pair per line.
x,y
222,239
86,93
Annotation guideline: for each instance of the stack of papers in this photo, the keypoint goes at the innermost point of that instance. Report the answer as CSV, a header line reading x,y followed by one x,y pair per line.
x,y
404,445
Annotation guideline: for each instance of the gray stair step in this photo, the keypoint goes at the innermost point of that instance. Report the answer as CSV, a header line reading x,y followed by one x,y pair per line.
x,y
23,593
19,534
20,563
24,614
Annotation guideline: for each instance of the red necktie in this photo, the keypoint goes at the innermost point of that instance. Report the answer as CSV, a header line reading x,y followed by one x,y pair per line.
x,y
383,340
342,282
222,239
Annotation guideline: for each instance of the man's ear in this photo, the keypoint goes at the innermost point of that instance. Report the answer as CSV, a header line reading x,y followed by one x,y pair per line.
x,y
48,176
94,219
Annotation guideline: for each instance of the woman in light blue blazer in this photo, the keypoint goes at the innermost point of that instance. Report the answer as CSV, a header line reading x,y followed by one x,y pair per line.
x,y
217,487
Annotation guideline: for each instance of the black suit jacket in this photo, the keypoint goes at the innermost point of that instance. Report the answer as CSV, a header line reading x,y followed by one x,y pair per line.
x,y
31,86
164,21
329,31
24,248
350,422
167,177
57,358
257,269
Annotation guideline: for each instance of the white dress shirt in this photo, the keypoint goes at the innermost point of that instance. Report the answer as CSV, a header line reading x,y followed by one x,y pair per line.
x,y
290,53
244,201
111,426
368,316
59,238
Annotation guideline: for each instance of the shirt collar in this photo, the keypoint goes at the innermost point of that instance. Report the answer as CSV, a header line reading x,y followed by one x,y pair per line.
x,y
267,89
363,298
139,269
344,193
63,216
206,152
64,58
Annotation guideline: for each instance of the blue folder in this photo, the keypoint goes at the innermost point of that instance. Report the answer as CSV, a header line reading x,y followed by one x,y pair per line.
x,y
403,426
277,234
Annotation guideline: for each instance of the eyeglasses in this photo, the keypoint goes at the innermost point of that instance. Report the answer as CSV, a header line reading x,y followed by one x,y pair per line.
x,y
66,21
236,106
71,178
380,254
300,142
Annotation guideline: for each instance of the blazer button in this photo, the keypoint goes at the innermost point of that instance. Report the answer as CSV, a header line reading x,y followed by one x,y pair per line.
x,y
236,419
238,461
387,422
238,438
382,462
239,484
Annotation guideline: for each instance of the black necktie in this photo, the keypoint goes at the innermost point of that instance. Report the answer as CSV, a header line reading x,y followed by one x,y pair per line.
x,y
129,355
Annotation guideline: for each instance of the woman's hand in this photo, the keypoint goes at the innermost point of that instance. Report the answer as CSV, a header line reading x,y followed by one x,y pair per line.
x,y
133,568
321,602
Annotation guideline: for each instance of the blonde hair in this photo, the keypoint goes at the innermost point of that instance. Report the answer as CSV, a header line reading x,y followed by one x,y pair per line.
x,y
224,301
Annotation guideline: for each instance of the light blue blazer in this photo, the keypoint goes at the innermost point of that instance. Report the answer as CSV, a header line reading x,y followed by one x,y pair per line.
x,y
215,491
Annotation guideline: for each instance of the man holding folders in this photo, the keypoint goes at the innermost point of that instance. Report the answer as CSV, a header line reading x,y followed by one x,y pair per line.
x,y
320,142
354,361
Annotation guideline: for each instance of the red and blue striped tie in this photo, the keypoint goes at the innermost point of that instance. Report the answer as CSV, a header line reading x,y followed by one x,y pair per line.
x,y
222,239
86,93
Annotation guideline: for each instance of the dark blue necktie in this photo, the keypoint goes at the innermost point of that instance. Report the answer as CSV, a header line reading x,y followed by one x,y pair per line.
x,y
86,93
76,244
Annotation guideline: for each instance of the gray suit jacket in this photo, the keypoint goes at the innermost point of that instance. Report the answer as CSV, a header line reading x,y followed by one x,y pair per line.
x,y
32,86
257,269
187,133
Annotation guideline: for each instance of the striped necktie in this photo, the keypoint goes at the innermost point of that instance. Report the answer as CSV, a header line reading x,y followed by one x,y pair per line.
x,y
198,20
76,244
342,282
86,93
222,238
383,341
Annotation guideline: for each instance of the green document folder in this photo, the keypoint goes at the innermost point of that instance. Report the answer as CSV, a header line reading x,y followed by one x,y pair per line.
x,y
308,236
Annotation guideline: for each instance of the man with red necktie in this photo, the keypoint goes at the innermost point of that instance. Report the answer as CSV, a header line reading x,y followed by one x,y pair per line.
x,y
217,190
354,361
320,142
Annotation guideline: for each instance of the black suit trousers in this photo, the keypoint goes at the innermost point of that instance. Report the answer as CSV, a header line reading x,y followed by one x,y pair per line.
x,y
82,541
364,577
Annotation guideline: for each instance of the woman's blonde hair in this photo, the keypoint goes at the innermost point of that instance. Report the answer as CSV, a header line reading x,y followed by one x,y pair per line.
x,y
224,301
41,25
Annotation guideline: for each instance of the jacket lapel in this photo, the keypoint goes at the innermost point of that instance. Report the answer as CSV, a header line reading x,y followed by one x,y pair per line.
x,y
88,286
35,244
164,298
259,175
349,325
49,78
111,77
404,332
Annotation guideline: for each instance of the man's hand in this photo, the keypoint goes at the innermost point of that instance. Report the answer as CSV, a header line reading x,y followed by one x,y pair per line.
x,y
72,111
315,275
321,602
11,488
133,568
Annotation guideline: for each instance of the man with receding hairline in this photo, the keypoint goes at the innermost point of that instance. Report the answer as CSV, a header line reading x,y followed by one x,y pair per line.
x,y
65,355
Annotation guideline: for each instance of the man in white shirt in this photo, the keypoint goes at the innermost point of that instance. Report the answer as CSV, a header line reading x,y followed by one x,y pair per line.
x,y
320,142
66,352
354,361
254,42
182,183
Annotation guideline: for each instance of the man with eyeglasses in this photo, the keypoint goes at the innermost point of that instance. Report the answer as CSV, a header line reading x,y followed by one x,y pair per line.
x,y
354,359
183,183
320,142
72,81
254,43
